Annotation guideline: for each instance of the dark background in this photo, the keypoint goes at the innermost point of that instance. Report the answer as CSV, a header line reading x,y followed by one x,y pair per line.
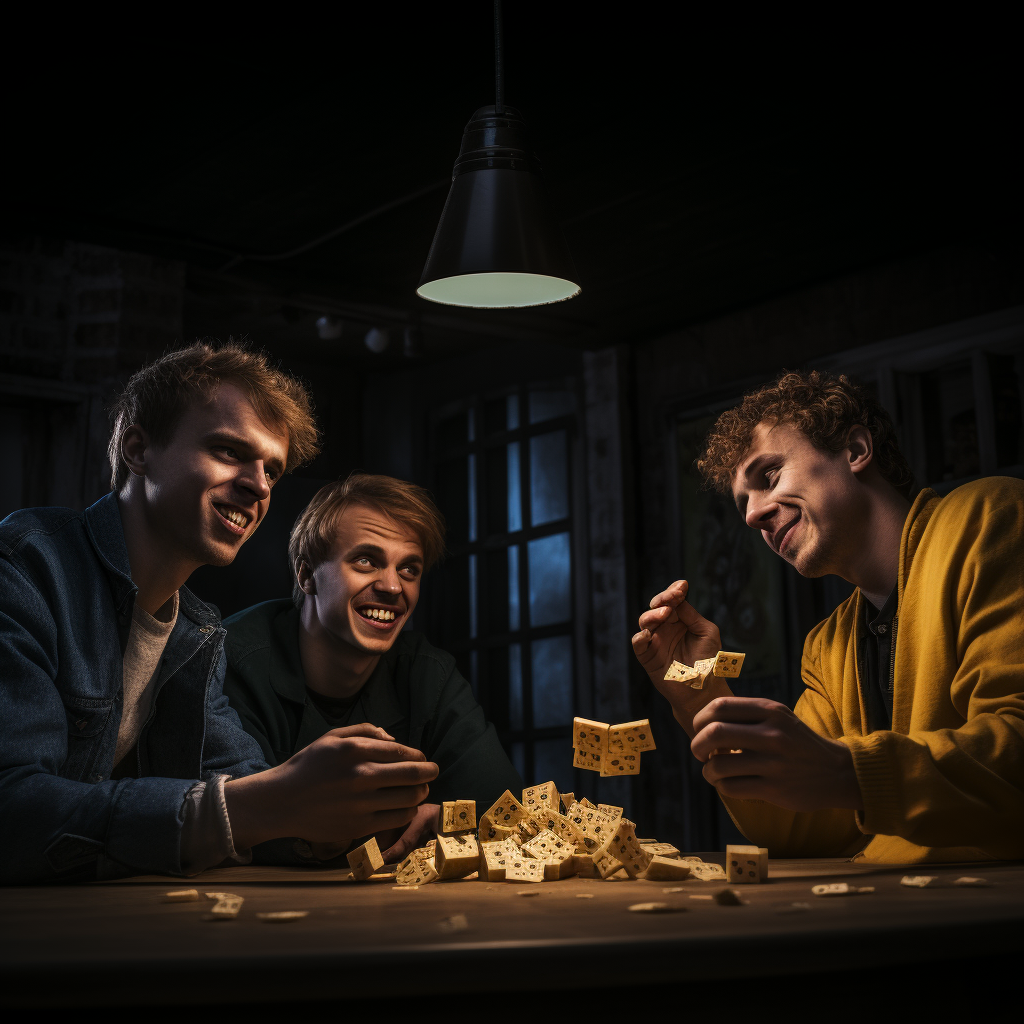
x,y
738,198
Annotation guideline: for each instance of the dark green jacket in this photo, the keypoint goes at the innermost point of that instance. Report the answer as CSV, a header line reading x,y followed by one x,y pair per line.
x,y
416,693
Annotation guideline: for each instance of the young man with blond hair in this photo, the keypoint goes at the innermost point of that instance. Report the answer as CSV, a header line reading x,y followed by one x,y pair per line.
x,y
338,652
907,743
119,753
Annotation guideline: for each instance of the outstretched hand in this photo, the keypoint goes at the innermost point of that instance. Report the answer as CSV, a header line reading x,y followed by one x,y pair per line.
x,y
423,826
778,758
673,630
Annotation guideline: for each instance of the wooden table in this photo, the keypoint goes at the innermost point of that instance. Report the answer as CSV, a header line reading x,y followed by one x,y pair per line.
x,y
119,943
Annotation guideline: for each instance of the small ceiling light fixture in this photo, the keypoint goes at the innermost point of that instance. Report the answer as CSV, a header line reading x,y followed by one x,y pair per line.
x,y
497,245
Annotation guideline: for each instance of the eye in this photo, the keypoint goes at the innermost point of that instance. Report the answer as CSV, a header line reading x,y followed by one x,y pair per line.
x,y
225,450
363,562
410,572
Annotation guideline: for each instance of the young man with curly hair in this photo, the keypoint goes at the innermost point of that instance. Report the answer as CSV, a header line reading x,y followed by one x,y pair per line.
x,y
907,743
119,753
338,652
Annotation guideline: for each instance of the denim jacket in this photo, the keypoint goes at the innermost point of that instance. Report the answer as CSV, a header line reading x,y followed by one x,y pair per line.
x,y
66,600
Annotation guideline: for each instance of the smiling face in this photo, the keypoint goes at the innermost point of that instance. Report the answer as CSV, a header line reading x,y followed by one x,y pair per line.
x,y
208,488
808,504
366,591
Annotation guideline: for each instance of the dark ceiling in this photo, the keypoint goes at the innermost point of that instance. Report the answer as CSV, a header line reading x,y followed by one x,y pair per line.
x,y
695,172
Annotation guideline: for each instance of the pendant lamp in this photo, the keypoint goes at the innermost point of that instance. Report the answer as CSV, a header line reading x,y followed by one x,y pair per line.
x,y
497,245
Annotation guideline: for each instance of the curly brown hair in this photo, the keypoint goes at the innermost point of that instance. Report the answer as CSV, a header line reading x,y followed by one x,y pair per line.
x,y
824,406
158,395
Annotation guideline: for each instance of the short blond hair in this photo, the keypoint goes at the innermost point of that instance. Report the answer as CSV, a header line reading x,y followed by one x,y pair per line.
x,y
160,393
407,504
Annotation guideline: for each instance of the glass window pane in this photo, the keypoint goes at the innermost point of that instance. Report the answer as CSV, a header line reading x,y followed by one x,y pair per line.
x,y
546,405
551,662
472,595
513,587
497,485
471,511
454,497
512,412
494,415
515,687
515,504
552,762
548,563
495,586
549,477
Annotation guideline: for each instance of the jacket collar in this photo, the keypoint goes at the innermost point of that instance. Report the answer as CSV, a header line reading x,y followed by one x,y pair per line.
x,y
106,532
918,518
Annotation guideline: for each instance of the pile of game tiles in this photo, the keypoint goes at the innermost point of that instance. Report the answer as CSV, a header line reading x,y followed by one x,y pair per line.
x,y
543,838
727,664
610,749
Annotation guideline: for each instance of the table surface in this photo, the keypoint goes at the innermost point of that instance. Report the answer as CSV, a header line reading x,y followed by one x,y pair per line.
x,y
372,937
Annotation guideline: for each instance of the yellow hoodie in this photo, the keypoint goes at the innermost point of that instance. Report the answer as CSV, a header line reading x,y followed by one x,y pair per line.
x,y
947,782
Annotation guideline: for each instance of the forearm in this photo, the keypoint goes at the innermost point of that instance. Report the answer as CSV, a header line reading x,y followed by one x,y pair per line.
x,y
252,810
687,702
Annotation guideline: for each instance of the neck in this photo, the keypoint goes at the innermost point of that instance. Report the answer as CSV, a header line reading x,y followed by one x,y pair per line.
x,y
155,569
332,666
875,562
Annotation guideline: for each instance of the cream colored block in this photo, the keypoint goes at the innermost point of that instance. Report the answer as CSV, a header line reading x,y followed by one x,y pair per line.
x,y
226,907
584,802
489,832
620,764
921,881
707,872
630,737
606,863
664,869
416,869
458,816
524,869
661,849
593,827
705,665
585,866
365,859
680,673
623,846
506,810
182,896
527,829
728,664
566,800
554,869
548,846
588,735
494,858
746,864
841,889
456,856
588,760
543,797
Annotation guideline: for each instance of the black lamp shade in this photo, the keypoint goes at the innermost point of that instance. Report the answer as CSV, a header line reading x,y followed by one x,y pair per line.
x,y
497,245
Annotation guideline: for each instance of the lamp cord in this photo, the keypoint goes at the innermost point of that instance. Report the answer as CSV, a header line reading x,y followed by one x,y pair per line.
x,y
499,62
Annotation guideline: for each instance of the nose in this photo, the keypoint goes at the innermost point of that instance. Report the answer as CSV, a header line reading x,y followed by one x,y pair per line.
x,y
759,512
254,479
388,581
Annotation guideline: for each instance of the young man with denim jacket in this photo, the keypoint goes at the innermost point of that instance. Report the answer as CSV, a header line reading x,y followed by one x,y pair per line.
x,y
119,753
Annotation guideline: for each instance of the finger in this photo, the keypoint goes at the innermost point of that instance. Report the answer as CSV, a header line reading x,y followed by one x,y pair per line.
x,y
383,751
671,595
363,729
397,818
391,776
748,787
727,736
657,617
729,766
736,709
641,641
394,797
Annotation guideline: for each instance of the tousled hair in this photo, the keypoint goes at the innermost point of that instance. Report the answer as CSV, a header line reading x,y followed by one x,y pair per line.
x,y
314,533
822,405
160,393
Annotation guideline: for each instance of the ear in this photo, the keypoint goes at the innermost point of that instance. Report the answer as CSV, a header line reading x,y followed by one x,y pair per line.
x,y
305,577
134,446
860,448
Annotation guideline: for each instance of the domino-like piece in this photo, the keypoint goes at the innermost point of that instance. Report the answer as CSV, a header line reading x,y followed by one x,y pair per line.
x,y
630,737
547,846
588,735
623,846
728,664
680,673
588,760
506,810
524,869
620,764
527,829
181,896
585,866
541,797
555,869
611,810
593,827
489,832
566,800
606,863
365,859
663,869
416,869
458,816
662,850
494,858
562,825
746,864
707,872
584,802
456,856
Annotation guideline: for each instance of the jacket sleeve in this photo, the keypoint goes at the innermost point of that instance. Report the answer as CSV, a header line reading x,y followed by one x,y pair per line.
x,y
831,832
963,786
472,763
54,828
228,748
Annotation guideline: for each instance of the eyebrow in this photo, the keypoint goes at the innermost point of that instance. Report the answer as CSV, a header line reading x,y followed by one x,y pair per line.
x,y
235,441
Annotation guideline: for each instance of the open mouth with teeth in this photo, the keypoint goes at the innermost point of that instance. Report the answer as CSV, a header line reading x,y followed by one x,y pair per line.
x,y
378,616
235,519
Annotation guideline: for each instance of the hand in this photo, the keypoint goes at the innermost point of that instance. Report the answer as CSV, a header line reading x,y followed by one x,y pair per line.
x,y
350,782
674,631
780,759
422,826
